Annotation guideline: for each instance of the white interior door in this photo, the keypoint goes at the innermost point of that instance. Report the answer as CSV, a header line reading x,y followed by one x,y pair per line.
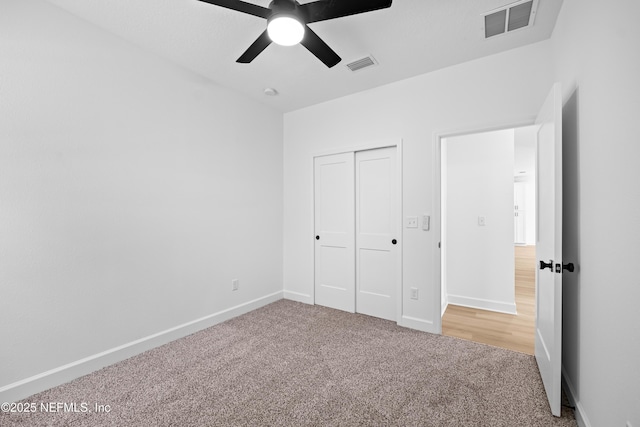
x,y
377,233
334,231
548,339
519,213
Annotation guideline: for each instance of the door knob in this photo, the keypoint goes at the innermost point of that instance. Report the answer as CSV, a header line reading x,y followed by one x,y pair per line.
x,y
548,265
317,237
394,241
569,267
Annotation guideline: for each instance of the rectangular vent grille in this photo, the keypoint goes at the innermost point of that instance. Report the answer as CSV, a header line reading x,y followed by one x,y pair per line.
x,y
519,16
365,62
509,18
494,23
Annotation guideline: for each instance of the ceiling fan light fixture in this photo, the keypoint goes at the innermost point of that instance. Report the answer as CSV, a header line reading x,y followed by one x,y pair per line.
x,y
285,29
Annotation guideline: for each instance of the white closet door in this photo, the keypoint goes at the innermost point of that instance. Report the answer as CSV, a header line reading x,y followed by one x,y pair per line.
x,y
334,231
377,233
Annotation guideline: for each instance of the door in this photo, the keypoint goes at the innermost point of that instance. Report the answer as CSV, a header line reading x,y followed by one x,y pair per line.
x,y
519,213
334,231
377,233
548,334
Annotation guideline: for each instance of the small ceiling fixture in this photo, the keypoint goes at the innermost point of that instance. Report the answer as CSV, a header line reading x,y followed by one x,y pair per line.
x,y
270,91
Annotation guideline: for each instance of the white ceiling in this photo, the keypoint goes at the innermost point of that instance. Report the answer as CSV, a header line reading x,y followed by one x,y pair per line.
x,y
412,37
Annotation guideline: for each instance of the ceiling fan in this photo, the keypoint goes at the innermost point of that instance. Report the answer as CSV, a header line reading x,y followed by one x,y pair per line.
x,y
287,23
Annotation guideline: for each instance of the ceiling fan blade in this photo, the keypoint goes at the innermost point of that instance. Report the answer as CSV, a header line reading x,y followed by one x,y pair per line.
x,y
329,9
241,6
319,48
255,49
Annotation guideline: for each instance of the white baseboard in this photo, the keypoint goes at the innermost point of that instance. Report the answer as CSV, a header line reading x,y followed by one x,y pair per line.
x,y
418,324
570,391
444,308
483,304
62,374
299,297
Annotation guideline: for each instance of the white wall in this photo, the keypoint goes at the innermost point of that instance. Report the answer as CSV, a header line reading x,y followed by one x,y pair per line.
x,y
131,193
496,90
597,58
480,258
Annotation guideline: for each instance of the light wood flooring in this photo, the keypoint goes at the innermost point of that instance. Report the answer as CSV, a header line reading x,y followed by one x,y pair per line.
x,y
515,332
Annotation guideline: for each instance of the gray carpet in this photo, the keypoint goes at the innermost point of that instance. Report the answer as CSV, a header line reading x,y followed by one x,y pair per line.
x,y
291,364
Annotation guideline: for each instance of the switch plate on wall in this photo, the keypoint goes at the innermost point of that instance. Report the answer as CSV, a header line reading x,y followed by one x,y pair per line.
x,y
426,222
414,293
481,221
412,222
235,284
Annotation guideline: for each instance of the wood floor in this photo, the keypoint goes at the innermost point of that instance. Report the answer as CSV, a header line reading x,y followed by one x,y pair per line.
x,y
515,332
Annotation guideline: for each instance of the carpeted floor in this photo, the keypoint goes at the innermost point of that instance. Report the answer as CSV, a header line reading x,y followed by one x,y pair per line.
x,y
291,364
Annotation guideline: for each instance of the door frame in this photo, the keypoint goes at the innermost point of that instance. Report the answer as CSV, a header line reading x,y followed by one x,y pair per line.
x,y
437,198
364,146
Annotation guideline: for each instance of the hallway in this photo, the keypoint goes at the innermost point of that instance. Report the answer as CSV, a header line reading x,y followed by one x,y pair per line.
x,y
514,332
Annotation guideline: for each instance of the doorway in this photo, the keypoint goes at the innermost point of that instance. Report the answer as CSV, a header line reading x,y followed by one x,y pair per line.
x,y
488,237
357,248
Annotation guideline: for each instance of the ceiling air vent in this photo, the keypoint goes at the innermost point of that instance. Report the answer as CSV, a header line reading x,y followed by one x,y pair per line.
x,y
511,17
365,62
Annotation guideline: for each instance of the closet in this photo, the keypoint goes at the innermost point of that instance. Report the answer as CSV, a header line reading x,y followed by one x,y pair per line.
x,y
357,232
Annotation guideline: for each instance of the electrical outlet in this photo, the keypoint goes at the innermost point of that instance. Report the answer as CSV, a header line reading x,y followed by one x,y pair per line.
x,y
414,293
235,284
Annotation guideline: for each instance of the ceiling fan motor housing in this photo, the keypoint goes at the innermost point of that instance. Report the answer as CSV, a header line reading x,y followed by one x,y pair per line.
x,y
284,7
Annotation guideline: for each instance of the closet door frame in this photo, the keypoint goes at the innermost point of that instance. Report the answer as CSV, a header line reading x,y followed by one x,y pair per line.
x,y
371,145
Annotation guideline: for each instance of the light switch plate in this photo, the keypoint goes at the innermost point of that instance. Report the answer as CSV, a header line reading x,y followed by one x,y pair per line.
x,y
481,221
426,222
412,222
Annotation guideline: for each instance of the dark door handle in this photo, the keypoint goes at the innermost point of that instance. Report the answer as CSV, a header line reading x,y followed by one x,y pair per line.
x,y
394,241
317,237
569,267
544,265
